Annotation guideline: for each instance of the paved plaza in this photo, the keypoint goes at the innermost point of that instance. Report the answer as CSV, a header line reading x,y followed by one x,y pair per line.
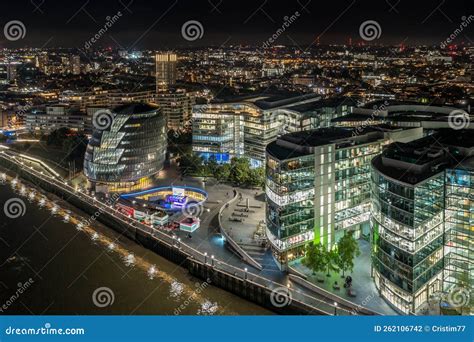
x,y
362,283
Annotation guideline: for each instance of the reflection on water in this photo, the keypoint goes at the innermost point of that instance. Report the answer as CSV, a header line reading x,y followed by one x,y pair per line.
x,y
69,259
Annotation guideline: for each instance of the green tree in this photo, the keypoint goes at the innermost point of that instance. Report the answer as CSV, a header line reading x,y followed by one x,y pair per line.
x,y
257,177
314,257
58,137
211,165
75,145
222,173
331,260
190,163
239,171
348,249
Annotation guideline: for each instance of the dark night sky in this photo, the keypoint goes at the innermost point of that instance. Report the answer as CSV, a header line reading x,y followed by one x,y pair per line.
x,y
157,24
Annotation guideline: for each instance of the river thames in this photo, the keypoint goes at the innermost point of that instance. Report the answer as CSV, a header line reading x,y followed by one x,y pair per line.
x,y
50,266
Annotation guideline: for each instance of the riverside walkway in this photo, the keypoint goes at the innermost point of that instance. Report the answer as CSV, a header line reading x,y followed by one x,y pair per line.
x,y
206,246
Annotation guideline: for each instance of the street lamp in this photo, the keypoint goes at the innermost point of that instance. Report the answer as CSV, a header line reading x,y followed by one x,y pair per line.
x,y
212,260
335,308
179,243
205,258
245,274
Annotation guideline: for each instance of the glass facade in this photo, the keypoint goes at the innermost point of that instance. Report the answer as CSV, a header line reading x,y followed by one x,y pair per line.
x,y
132,149
319,194
407,237
290,204
237,129
459,230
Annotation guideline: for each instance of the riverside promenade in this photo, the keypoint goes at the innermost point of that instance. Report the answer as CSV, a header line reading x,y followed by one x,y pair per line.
x,y
207,248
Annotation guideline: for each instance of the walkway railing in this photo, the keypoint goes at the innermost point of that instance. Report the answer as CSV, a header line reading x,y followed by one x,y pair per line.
x,y
243,254
317,304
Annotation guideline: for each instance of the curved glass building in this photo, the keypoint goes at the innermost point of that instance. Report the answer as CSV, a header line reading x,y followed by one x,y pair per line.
x,y
421,219
126,154
318,186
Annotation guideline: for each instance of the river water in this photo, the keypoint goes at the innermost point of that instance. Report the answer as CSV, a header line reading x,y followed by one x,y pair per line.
x,y
49,266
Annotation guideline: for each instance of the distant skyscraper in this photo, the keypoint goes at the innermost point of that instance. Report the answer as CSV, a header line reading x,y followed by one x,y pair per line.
x,y
75,65
176,106
165,70
41,62
11,72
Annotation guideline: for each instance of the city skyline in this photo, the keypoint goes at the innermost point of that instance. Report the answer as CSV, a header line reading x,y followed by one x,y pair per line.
x,y
222,158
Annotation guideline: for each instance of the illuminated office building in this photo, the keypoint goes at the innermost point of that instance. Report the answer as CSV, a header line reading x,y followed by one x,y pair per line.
x,y
176,106
165,70
422,218
245,127
459,228
318,185
128,153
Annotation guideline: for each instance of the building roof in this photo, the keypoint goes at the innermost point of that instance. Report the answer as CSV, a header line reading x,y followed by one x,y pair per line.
x,y
330,102
418,160
300,143
135,108
271,100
